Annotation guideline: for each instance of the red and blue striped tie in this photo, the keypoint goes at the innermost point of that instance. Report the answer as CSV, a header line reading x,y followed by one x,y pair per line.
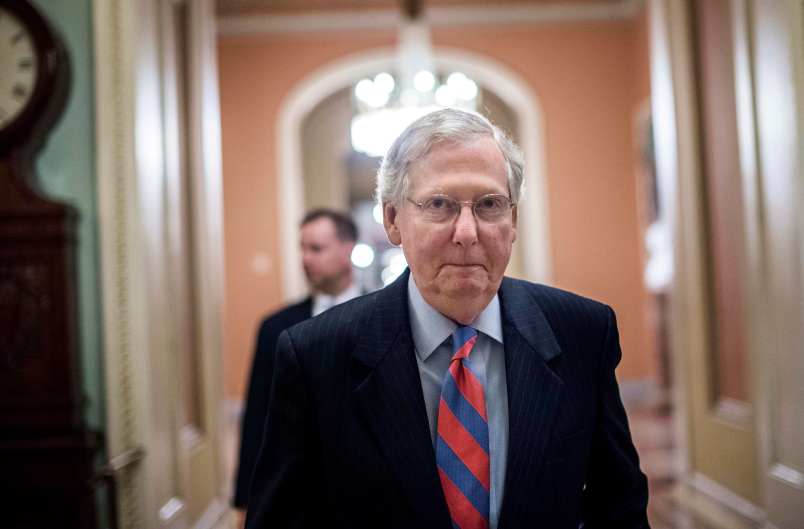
x,y
462,445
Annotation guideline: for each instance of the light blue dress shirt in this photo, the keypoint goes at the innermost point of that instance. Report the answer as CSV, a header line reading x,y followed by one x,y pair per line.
x,y
430,330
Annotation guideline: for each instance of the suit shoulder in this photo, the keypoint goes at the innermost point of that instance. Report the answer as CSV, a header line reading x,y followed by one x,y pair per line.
x,y
338,322
554,300
288,316
323,345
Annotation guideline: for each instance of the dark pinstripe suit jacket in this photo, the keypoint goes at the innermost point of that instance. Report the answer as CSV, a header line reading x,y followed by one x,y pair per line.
x,y
259,387
347,443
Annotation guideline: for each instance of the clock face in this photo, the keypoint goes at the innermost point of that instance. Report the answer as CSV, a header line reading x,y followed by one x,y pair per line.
x,y
17,67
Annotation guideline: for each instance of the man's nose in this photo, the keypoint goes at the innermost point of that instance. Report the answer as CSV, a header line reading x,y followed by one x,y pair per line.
x,y
465,227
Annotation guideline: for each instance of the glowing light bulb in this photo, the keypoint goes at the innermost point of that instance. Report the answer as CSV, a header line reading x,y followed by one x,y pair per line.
x,y
424,81
364,89
362,255
384,82
445,96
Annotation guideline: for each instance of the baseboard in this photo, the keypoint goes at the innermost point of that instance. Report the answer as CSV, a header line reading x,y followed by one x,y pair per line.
x,y
718,505
218,516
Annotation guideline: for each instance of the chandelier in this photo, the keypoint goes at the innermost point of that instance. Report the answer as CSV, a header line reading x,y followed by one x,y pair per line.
x,y
386,104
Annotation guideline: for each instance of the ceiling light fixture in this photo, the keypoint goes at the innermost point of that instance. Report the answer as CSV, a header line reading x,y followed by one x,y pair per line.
x,y
386,104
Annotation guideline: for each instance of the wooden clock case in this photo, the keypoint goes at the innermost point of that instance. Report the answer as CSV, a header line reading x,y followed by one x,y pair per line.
x,y
47,454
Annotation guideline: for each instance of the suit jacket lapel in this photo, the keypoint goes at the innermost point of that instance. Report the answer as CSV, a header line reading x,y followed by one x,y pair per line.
x,y
533,394
388,395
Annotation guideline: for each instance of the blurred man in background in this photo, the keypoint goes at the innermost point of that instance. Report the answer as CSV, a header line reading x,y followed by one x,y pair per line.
x,y
327,240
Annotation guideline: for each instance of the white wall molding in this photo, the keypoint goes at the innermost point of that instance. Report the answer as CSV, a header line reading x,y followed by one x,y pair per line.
x,y
668,117
776,55
725,497
217,516
140,320
117,211
533,233
434,16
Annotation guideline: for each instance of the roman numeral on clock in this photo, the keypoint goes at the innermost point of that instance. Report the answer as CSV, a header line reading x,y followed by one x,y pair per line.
x,y
19,91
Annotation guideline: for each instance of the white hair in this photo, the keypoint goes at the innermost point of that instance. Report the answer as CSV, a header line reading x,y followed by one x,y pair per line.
x,y
446,125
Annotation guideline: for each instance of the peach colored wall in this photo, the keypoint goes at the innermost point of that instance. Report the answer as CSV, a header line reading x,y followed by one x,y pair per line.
x,y
256,73
640,102
583,75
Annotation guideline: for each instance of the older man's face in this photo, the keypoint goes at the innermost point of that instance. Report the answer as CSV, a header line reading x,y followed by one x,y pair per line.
x,y
457,265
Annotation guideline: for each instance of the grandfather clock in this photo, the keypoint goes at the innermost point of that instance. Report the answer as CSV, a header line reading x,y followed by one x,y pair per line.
x,y
46,452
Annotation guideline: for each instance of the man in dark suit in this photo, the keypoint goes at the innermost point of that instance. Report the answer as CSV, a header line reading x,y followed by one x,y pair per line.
x,y
454,397
327,239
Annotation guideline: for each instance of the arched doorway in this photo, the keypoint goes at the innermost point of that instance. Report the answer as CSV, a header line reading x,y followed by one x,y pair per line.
x,y
534,241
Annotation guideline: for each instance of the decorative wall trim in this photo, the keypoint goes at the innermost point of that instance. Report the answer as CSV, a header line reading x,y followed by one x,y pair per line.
x,y
533,234
114,116
434,16
668,118
139,323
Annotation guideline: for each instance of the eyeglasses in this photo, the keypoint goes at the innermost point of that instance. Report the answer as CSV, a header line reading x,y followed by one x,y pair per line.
x,y
443,208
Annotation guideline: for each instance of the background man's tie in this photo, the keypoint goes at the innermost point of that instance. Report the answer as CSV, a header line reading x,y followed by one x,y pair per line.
x,y
462,445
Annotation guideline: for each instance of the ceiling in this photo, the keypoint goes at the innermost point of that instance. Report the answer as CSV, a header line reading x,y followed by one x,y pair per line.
x,y
287,7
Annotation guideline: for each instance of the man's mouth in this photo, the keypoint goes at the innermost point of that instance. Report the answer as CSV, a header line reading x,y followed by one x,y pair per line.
x,y
465,265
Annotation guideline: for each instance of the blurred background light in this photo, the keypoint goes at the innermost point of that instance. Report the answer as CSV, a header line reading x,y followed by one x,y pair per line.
x,y
395,263
362,255
424,81
377,213
384,81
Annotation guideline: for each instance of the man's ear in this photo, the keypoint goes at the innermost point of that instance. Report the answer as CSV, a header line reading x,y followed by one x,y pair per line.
x,y
389,218
513,217
347,249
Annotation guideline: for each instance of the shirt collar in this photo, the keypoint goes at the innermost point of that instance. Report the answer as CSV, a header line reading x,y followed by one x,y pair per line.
x,y
430,328
322,302
351,292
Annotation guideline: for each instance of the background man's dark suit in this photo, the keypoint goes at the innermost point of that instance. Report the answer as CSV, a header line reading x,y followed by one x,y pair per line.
x,y
259,387
348,444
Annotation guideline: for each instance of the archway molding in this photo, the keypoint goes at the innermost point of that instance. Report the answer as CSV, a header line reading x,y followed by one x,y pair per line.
x,y
533,223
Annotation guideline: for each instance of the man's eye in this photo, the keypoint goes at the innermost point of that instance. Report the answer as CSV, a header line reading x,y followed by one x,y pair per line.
x,y
488,203
438,203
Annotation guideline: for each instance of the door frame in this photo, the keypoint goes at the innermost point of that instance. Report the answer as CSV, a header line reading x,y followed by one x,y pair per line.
x,y
134,204
703,427
777,51
769,90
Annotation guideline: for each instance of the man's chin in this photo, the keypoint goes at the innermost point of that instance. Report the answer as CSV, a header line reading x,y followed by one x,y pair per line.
x,y
464,277
462,300
467,288
315,286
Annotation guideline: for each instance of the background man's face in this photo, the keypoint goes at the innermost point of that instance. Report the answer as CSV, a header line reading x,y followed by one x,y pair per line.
x,y
461,261
326,259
